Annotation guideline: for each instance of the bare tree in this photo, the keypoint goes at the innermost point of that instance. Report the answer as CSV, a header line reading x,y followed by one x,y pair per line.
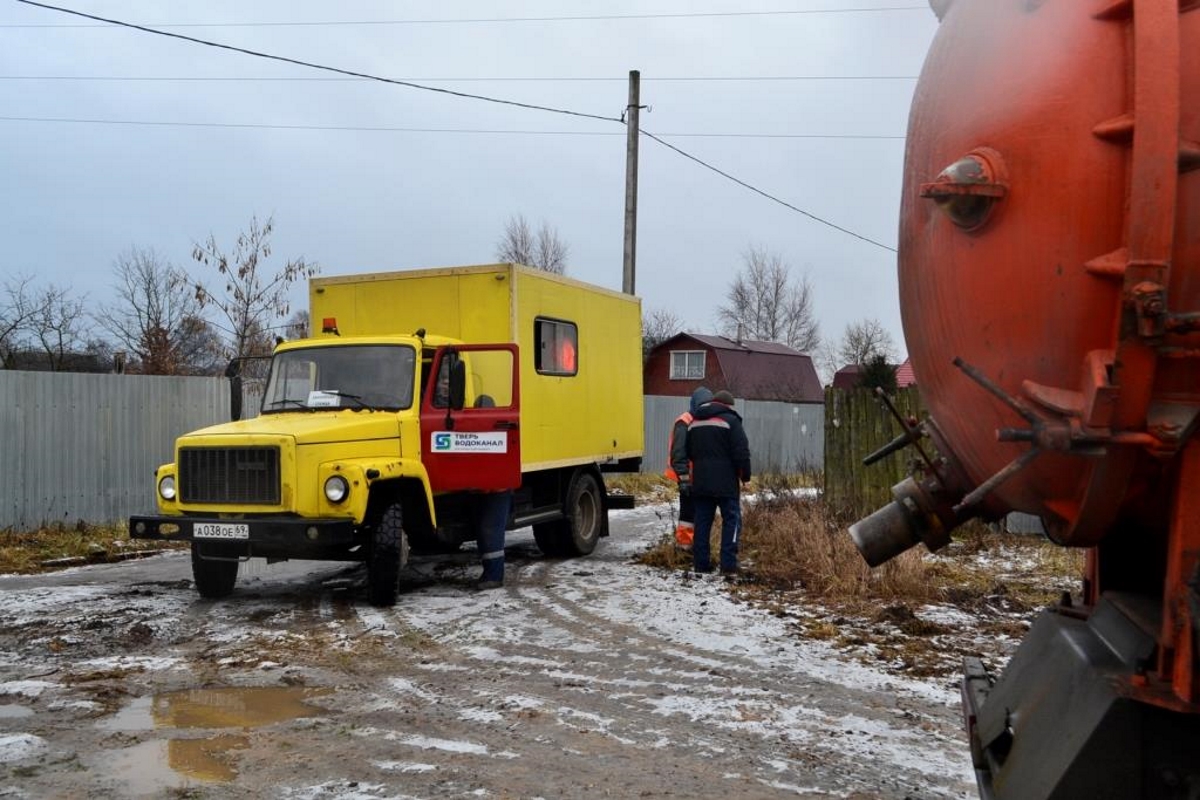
x,y
298,325
201,348
543,249
766,304
658,326
251,298
864,340
17,308
156,316
59,326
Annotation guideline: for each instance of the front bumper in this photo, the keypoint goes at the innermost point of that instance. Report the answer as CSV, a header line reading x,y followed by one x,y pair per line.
x,y
268,537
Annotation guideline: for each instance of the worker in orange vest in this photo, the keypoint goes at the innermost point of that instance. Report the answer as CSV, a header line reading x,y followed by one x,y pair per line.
x,y
679,469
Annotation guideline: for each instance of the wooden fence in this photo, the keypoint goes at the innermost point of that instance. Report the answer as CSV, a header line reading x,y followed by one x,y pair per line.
x,y
857,423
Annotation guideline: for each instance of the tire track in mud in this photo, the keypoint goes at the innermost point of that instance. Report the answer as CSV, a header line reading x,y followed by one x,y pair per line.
x,y
611,683
558,685
756,695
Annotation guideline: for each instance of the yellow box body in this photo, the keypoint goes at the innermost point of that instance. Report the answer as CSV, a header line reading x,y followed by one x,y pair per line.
x,y
594,416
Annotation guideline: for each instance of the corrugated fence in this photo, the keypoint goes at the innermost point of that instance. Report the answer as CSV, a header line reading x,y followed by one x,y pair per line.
x,y
84,447
784,437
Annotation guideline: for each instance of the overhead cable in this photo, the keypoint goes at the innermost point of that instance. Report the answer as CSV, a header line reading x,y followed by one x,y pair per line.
x,y
467,79
758,191
390,129
531,106
323,67
494,20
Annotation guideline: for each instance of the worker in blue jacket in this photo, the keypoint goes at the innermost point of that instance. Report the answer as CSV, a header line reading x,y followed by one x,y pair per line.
x,y
719,453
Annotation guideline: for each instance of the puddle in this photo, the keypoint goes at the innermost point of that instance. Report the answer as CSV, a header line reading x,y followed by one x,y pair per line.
x,y
231,707
161,764
15,712
151,768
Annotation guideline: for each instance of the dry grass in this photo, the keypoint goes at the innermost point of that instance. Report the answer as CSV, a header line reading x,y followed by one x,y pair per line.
x,y
790,542
643,485
800,564
58,546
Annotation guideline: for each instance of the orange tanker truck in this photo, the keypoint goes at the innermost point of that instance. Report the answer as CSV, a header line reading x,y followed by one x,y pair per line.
x,y
1049,268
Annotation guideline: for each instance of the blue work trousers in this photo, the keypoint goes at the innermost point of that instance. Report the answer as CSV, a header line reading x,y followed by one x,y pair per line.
x,y
731,529
492,520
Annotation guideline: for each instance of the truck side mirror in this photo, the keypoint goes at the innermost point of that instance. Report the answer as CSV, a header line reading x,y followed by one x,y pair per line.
x,y
234,372
458,384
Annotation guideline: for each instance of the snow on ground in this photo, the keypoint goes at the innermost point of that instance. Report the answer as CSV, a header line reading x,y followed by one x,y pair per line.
x,y
633,657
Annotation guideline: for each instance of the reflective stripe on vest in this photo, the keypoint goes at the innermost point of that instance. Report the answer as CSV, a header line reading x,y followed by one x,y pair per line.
x,y
712,422
686,418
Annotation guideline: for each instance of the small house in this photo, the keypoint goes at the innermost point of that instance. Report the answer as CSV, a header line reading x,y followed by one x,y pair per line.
x,y
749,370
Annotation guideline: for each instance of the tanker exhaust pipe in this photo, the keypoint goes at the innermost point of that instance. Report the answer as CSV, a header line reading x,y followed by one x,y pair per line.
x,y
885,534
917,515
922,512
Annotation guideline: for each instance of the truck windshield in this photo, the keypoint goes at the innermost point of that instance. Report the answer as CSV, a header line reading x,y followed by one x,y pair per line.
x,y
345,376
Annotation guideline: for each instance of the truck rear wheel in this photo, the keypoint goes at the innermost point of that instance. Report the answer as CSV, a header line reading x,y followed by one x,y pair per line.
x,y
387,553
214,578
578,533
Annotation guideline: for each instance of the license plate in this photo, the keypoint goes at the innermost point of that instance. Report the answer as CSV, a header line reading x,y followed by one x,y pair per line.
x,y
220,530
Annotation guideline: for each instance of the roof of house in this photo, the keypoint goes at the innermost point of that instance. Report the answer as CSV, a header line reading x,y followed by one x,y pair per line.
x,y
848,376
761,370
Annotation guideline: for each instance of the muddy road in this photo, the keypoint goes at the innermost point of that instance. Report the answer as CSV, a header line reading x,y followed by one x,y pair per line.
x,y
588,678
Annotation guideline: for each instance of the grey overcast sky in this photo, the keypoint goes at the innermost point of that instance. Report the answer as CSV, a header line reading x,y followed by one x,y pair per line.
x,y
365,176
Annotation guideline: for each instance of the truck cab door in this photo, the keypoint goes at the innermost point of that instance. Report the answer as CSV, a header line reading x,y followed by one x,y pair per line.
x,y
471,419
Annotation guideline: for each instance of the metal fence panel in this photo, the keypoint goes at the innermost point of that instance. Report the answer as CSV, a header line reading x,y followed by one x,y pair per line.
x,y
784,437
84,447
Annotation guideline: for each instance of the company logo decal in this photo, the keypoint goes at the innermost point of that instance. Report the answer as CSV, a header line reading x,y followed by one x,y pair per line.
x,y
455,442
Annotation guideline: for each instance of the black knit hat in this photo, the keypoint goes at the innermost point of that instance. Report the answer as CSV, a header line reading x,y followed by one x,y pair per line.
x,y
723,397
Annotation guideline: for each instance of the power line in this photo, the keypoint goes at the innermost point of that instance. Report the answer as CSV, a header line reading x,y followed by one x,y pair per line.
x,y
531,79
312,65
268,126
388,129
758,191
350,73
496,20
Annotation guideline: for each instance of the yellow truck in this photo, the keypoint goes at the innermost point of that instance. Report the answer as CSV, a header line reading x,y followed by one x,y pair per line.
x,y
418,392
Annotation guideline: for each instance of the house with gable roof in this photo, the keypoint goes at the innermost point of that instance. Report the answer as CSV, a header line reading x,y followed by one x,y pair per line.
x,y
778,392
750,370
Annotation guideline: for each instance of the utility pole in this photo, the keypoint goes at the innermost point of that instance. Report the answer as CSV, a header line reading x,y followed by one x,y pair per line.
x,y
631,178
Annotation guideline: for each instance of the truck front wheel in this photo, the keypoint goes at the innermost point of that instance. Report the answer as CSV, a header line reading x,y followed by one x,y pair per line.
x,y
214,578
387,553
578,533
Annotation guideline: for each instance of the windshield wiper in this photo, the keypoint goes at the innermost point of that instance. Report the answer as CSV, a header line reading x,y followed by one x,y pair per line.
x,y
284,400
338,393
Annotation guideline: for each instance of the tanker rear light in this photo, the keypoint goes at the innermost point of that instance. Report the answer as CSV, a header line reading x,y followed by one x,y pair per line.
x,y
329,325
968,190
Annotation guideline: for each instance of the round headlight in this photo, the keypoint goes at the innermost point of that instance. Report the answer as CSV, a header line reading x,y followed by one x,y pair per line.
x,y
336,489
166,488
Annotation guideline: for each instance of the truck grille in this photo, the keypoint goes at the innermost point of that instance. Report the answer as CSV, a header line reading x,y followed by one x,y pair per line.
x,y
234,475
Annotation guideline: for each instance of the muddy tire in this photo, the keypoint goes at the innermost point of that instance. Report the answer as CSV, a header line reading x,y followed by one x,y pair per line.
x,y
387,553
214,579
578,533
